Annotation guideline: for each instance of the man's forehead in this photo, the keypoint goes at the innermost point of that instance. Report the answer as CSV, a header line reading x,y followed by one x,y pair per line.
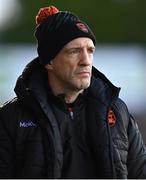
x,y
80,42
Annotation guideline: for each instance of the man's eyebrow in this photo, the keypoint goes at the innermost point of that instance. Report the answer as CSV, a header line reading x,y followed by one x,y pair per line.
x,y
71,48
79,47
92,47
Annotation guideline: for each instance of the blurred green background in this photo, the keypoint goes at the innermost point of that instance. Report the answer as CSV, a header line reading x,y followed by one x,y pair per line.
x,y
114,21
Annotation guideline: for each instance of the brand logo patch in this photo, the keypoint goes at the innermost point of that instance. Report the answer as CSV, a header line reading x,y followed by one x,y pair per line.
x,y
82,27
111,118
26,124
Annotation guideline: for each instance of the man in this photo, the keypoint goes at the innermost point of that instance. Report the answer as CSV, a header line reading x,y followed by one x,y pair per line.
x,y
67,120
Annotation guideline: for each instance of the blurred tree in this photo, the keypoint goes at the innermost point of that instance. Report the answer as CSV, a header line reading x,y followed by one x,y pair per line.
x,y
113,21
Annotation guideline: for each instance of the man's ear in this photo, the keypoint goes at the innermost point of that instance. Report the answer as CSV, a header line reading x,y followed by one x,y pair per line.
x,y
49,66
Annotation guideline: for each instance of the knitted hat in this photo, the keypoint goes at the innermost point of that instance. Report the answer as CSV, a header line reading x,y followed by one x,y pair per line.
x,y
55,29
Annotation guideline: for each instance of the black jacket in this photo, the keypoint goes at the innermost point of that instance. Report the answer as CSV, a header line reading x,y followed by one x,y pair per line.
x,y
30,140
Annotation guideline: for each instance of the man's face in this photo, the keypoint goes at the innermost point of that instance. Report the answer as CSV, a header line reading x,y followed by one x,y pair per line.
x,y
72,66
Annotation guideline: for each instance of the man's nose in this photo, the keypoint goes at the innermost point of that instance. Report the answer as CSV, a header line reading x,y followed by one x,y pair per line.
x,y
85,58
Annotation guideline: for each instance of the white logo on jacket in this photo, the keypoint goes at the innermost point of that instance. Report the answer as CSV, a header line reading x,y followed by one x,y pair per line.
x,y
27,124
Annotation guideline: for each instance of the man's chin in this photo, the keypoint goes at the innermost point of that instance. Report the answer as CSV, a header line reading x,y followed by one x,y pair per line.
x,y
84,85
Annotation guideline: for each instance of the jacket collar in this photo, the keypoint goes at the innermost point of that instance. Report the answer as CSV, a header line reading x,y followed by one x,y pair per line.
x,y
33,79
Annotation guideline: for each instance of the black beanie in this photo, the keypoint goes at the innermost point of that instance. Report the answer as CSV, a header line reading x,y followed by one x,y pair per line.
x,y
55,29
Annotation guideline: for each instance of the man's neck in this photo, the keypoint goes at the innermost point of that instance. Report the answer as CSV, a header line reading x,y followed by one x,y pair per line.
x,y
70,97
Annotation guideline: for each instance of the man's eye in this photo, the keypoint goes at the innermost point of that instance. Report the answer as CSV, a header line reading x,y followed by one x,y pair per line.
x,y
91,51
74,51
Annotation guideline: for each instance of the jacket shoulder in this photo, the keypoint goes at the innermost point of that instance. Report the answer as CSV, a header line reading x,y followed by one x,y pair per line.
x,y
9,107
11,112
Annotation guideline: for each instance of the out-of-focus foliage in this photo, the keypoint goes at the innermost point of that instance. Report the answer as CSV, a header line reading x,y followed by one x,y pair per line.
x,y
113,21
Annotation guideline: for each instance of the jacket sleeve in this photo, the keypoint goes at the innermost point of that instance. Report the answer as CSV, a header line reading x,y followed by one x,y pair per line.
x,y
136,161
6,146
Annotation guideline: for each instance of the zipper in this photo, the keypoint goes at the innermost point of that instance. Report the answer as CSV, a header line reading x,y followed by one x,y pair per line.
x,y
71,112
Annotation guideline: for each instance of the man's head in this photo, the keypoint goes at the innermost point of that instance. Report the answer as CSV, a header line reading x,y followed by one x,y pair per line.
x,y
55,29
70,70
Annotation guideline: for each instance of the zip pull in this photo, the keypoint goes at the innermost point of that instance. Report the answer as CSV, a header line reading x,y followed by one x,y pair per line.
x,y
71,112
